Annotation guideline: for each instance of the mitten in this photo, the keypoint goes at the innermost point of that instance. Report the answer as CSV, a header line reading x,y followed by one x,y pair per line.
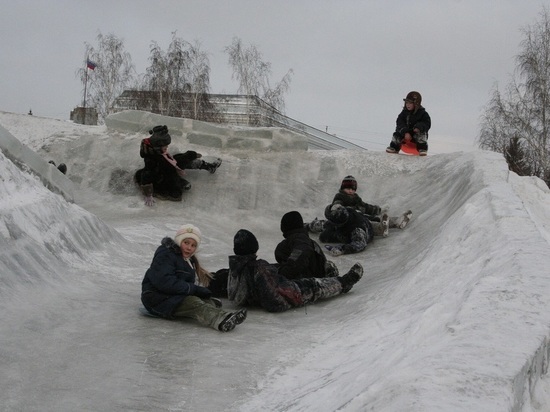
x,y
334,250
202,292
149,200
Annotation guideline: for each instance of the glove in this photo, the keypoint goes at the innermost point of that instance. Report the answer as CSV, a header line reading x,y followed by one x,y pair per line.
x,y
334,250
149,200
202,292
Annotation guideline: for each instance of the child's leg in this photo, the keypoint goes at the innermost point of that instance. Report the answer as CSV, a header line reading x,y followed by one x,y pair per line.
x,y
205,313
395,144
381,228
400,222
421,141
395,221
203,165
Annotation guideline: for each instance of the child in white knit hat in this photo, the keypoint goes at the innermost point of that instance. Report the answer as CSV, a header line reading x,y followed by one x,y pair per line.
x,y
176,285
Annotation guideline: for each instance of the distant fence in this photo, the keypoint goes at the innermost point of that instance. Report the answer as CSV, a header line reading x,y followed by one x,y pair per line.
x,y
241,110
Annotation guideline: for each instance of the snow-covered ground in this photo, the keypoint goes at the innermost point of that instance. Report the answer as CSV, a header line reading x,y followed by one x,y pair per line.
x,y
452,314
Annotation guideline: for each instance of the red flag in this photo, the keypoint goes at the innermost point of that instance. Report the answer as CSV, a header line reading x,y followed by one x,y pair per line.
x,y
90,64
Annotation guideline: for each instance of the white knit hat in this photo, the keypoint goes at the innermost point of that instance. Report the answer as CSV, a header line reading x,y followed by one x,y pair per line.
x,y
188,232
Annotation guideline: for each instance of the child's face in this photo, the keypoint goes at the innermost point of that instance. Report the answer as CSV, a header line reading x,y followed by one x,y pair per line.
x,y
164,149
188,247
409,105
349,191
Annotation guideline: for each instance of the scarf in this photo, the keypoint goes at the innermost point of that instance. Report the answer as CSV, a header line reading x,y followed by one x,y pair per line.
x,y
173,162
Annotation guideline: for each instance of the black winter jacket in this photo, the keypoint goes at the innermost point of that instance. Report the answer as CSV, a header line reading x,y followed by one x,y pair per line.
x,y
299,256
156,170
168,281
408,121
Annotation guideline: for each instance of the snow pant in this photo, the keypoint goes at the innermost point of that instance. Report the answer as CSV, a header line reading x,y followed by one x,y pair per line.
x,y
394,222
188,160
378,228
332,234
421,140
314,289
275,293
203,311
331,270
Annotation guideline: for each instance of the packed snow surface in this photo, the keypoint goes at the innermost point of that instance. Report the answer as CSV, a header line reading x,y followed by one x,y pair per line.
x,y
452,314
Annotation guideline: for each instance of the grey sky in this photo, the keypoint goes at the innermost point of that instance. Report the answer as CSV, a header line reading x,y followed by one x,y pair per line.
x,y
353,61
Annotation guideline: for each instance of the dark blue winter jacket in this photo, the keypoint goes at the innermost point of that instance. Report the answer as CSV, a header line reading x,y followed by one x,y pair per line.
x,y
168,281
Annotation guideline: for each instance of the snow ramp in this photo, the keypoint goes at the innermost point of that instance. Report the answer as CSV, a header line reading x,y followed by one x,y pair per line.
x,y
451,314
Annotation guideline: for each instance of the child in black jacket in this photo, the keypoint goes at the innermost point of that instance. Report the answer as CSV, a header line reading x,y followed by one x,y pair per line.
x,y
299,256
381,222
413,124
162,174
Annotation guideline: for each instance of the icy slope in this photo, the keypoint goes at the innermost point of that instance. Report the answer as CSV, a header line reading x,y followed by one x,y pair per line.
x,y
452,313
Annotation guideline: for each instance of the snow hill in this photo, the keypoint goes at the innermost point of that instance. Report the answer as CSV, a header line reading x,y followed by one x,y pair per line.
x,y
452,314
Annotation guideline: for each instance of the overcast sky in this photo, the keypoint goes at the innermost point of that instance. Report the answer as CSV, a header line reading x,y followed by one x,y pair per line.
x,y
353,61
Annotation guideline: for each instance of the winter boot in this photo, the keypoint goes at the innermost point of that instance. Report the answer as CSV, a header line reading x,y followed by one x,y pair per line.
x,y
351,278
62,168
211,167
231,320
185,185
216,302
227,324
405,220
240,316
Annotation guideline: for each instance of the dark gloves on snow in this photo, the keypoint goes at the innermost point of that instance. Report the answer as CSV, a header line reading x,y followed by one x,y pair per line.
x,y
202,292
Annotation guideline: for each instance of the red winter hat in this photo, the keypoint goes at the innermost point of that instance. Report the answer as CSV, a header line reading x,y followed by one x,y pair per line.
x,y
349,182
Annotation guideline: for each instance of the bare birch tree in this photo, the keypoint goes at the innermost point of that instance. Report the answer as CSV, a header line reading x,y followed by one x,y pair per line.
x,y
253,73
180,77
519,121
113,72
199,82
